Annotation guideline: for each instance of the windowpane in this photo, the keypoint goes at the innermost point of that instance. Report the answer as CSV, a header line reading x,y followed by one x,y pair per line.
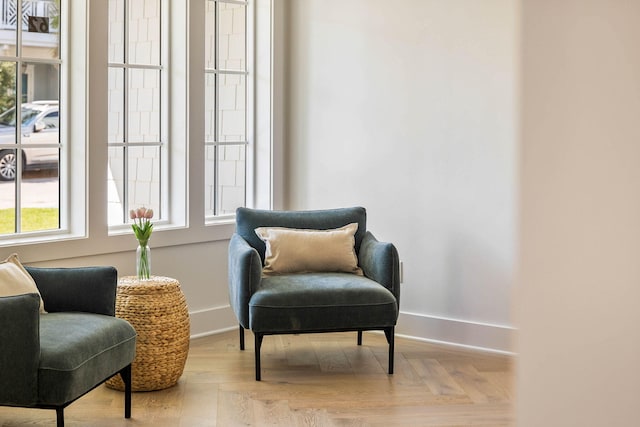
x,y
115,185
225,180
41,29
231,36
232,107
144,32
8,166
40,146
39,159
210,107
231,178
7,204
40,201
10,22
7,103
40,134
210,34
116,105
40,83
210,180
143,118
116,31
144,177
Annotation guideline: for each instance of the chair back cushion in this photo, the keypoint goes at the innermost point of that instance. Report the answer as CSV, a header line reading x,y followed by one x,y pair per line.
x,y
247,220
88,289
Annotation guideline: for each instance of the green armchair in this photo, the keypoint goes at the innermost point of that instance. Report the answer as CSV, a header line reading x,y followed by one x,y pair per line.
x,y
50,360
312,301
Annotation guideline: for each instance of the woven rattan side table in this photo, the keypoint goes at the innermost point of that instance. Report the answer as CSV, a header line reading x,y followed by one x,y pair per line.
x,y
157,310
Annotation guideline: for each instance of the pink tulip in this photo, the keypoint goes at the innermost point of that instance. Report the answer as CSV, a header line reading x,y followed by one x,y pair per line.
x,y
132,214
148,214
140,212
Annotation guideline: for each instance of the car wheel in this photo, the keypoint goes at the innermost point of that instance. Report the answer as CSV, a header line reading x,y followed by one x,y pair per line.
x,y
7,165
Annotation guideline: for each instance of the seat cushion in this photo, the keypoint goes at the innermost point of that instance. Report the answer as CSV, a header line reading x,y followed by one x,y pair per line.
x,y
78,351
320,302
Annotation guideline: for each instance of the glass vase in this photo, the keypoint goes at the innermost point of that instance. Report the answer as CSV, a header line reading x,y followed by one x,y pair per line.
x,y
143,261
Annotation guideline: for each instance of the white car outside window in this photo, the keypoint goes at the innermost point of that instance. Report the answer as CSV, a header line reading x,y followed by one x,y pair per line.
x,y
40,127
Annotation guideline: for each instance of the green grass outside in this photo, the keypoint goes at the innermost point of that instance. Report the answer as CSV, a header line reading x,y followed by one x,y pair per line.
x,y
33,219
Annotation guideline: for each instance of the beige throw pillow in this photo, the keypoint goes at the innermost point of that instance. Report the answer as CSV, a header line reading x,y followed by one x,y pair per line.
x,y
291,250
15,280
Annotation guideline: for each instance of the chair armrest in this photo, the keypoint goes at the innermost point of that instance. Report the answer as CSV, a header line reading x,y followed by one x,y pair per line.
x,y
86,289
245,272
20,344
379,262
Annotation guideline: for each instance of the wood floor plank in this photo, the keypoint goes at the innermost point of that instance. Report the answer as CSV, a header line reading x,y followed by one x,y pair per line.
x,y
273,413
197,408
436,377
330,356
322,380
475,384
363,361
297,351
235,409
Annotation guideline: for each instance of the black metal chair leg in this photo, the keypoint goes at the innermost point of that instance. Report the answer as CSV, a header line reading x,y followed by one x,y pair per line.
x,y
258,344
241,338
60,417
125,374
359,337
390,333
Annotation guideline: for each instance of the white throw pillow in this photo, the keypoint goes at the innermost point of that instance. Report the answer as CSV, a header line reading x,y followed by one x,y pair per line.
x,y
290,250
15,280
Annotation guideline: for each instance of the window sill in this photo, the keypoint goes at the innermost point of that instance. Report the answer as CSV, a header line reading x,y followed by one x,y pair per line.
x,y
64,246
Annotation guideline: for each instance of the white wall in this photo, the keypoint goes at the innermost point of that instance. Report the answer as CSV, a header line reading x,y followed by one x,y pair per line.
x,y
409,109
579,280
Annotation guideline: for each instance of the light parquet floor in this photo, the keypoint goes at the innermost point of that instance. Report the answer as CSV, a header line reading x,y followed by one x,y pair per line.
x,y
308,380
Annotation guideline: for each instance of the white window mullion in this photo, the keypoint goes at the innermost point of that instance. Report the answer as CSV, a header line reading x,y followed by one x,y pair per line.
x,y
18,106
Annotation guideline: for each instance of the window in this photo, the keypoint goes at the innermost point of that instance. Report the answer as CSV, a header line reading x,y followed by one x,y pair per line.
x,y
138,111
227,99
33,141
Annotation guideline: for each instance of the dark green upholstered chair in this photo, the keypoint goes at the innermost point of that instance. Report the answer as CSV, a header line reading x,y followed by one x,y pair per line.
x,y
312,302
50,360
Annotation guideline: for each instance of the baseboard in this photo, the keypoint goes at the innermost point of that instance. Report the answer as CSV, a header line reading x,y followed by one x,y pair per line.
x,y
461,333
212,320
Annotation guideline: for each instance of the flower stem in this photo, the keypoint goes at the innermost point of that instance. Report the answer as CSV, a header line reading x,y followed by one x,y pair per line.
x,y
143,261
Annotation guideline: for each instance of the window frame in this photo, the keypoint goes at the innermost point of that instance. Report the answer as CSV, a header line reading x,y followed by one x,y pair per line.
x,y
248,144
166,113
85,193
72,61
